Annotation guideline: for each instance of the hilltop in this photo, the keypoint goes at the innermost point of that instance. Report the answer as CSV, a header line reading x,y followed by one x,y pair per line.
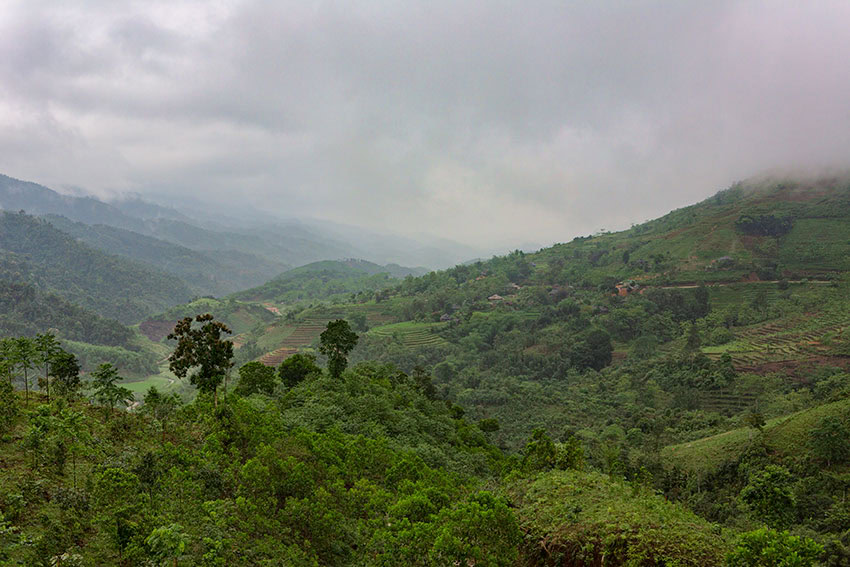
x,y
327,279
765,229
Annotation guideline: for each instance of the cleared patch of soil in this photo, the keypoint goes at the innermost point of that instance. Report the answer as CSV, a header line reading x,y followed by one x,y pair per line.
x,y
156,330
798,370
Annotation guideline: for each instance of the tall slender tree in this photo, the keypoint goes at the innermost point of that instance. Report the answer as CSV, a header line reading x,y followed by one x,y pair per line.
x,y
7,358
66,374
25,358
47,348
106,392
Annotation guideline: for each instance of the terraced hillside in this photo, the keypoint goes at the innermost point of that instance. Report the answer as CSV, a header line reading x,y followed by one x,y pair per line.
x,y
289,339
760,229
796,338
412,334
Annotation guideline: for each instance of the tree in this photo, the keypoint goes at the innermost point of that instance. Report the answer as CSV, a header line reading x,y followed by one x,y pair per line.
x,y
693,342
47,347
335,342
41,423
594,351
204,349
480,531
7,358
770,548
255,377
66,374
24,357
569,454
423,381
161,406
755,419
296,368
106,392
359,322
167,542
769,496
829,441
116,500
539,453
72,430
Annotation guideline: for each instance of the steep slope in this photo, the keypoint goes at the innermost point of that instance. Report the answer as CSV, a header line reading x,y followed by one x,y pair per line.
x,y
214,273
25,311
759,229
35,199
111,286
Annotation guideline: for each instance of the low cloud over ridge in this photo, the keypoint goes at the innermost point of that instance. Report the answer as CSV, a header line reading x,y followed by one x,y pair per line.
x,y
487,122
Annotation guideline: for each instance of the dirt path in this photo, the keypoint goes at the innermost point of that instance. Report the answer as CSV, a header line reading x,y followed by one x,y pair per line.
x,y
725,284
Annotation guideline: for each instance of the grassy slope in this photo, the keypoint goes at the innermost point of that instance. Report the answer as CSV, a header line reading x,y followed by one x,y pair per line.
x,y
687,240
586,519
786,437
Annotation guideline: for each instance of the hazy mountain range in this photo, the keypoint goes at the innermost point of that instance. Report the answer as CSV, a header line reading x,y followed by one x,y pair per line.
x,y
272,243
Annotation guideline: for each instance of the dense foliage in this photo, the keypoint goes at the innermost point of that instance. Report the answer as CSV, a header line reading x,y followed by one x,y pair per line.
x,y
326,280
108,285
203,272
25,310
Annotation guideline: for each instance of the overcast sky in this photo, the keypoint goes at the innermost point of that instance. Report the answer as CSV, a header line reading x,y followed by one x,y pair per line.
x,y
490,122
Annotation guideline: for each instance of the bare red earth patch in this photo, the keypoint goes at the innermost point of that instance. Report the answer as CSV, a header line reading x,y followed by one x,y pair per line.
x,y
156,330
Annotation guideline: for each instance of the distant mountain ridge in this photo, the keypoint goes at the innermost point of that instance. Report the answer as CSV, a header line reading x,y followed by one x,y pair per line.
x,y
225,273
277,241
111,286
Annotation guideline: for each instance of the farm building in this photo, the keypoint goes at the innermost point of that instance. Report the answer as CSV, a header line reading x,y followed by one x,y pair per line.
x,y
627,287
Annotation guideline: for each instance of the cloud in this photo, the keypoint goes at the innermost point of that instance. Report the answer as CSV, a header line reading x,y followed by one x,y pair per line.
x,y
491,123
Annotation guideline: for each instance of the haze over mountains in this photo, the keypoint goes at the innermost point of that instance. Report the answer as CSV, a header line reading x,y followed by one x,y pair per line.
x,y
250,246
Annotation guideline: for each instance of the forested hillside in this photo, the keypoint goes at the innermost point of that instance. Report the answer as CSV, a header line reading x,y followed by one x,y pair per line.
x,y
368,469
214,273
25,310
17,195
108,285
326,280
254,244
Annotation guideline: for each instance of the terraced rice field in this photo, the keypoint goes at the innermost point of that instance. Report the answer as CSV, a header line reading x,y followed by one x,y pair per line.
x,y
793,339
292,339
726,402
376,315
277,356
305,333
412,334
